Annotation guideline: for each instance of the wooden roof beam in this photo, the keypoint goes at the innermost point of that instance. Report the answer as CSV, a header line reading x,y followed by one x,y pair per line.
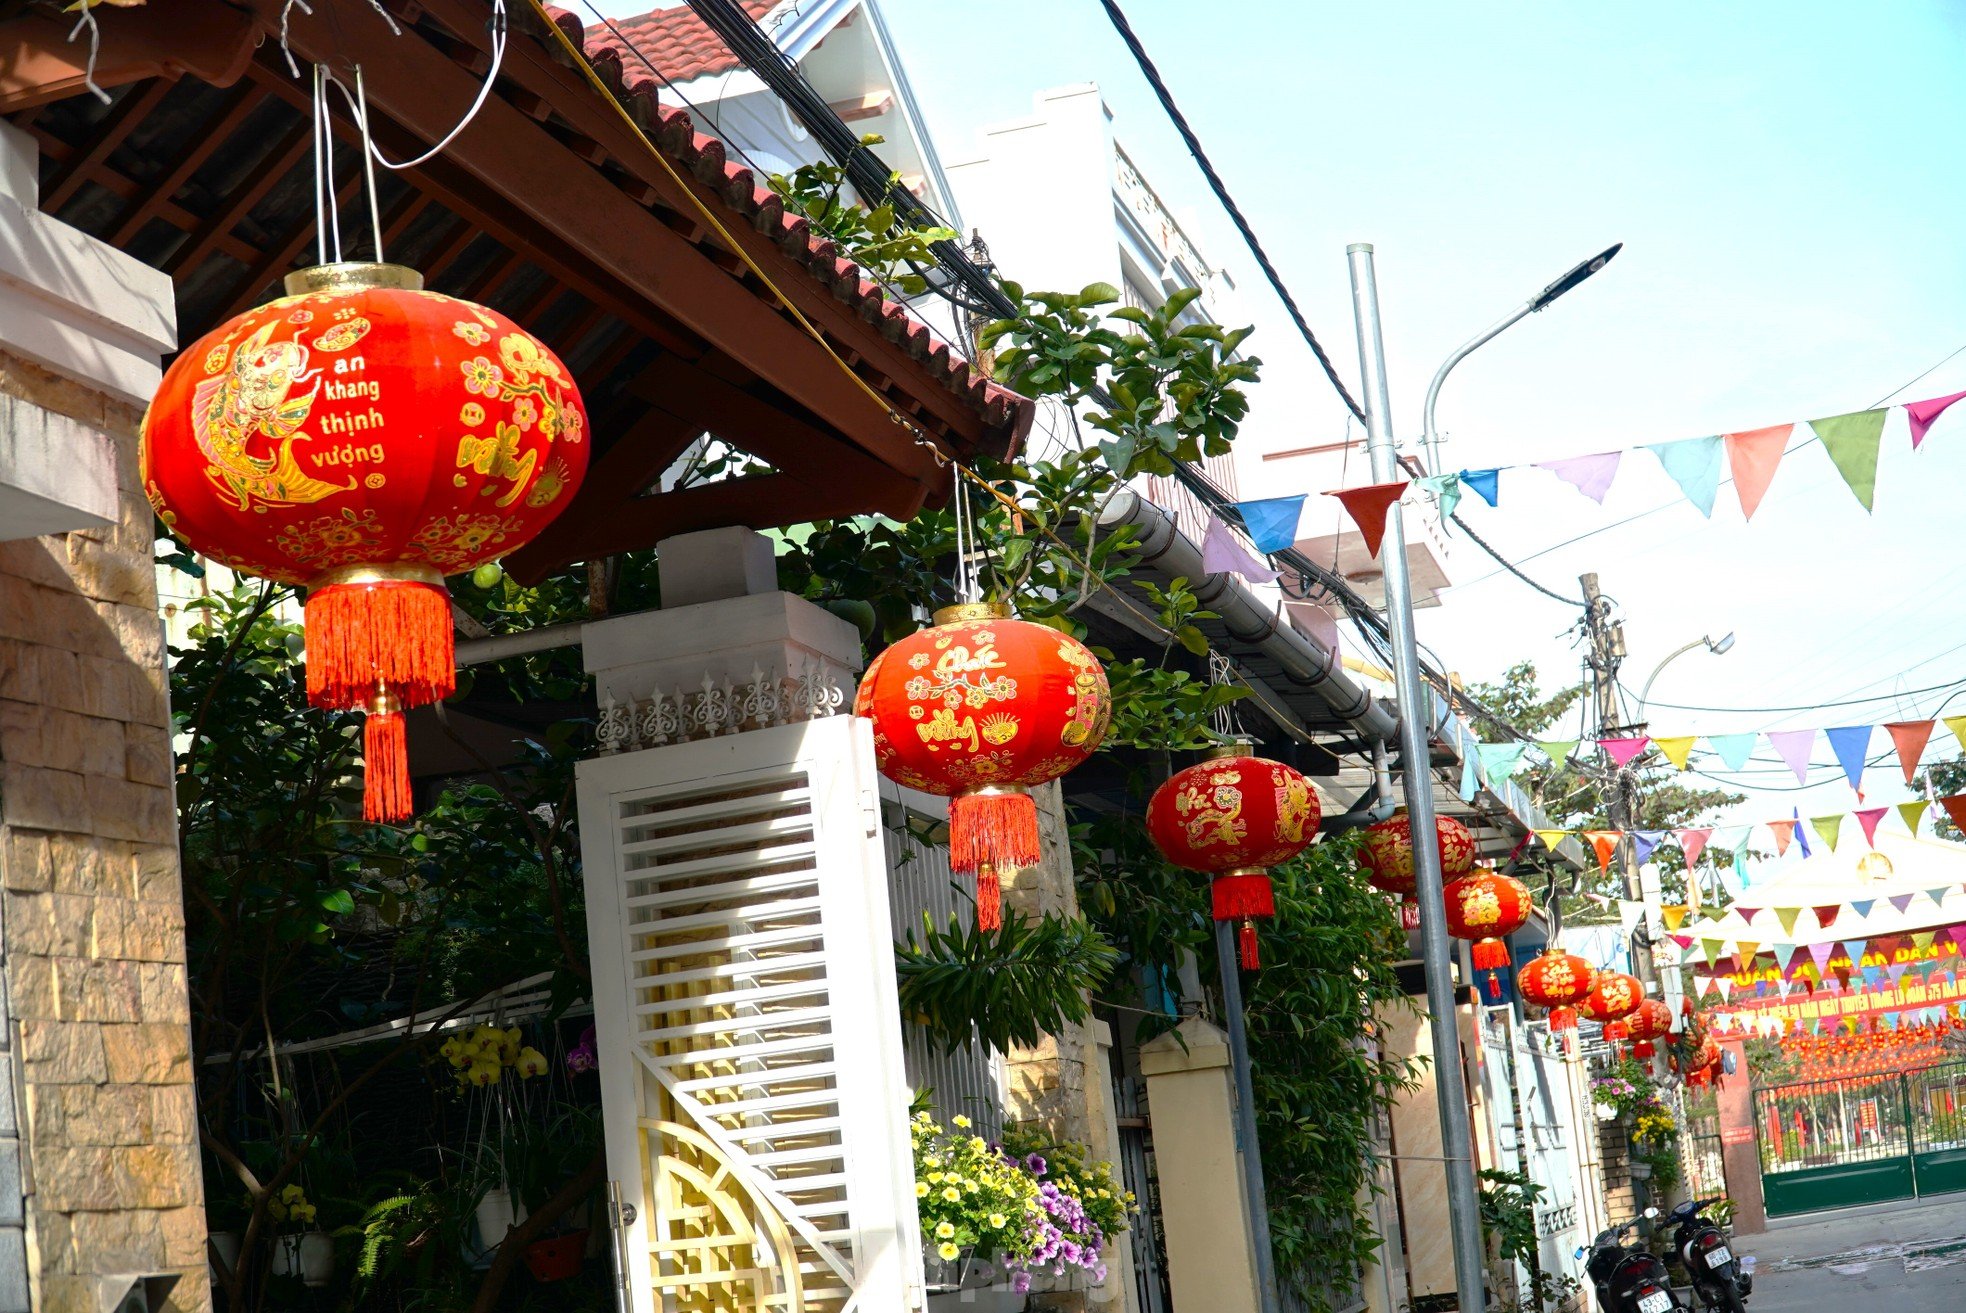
x,y
127,113
243,101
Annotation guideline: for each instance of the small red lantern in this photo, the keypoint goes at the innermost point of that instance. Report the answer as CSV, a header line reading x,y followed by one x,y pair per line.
x,y
1387,856
1613,997
1484,907
980,708
1232,816
1651,1020
1558,981
366,438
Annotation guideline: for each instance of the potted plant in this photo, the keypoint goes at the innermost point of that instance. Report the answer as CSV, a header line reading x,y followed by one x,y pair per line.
x,y
300,1248
489,1064
1082,1206
980,1218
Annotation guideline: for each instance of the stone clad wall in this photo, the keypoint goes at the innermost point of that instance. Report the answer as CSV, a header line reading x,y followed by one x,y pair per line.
x,y
91,908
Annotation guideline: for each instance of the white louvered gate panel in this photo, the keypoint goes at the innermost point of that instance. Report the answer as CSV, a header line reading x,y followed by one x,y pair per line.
x,y
753,1088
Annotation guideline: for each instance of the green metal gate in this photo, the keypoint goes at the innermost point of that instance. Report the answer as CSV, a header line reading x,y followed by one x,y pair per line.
x,y
1840,1143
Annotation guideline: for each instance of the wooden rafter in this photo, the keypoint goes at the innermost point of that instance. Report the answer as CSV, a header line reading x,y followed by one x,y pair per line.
x,y
245,98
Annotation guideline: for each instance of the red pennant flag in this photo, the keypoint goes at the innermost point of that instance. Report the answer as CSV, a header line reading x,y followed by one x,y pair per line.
x,y
1368,506
1955,806
1605,842
1826,916
1922,413
1909,736
1693,843
1868,818
1784,832
1752,457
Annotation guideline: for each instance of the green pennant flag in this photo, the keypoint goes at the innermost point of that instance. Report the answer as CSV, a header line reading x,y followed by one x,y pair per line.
x,y
1924,940
1851,441
1829,827
1557,750
1711,947
1787,915
1912,812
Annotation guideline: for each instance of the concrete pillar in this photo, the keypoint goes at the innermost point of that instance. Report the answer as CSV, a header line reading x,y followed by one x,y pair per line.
x,y
1190,1095
1740,1158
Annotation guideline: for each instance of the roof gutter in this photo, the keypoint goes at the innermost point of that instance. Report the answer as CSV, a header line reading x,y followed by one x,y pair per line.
x,y
1248,618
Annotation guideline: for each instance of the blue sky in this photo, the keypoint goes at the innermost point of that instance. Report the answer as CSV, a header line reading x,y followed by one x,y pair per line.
x,y
1788,180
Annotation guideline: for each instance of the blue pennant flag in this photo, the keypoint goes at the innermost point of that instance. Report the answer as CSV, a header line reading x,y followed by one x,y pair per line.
x,y
1694,464
1487,484
1272,521
1734,749
1800,836
1851,744
1644,841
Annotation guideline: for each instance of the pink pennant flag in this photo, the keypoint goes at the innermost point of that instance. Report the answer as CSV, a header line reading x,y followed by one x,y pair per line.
x,y
1957,933
1368,506
1621,751
1693,843
1922,413
1868,818
1794,746
1590,475
1910,737
1222,552
1784,832
1752,457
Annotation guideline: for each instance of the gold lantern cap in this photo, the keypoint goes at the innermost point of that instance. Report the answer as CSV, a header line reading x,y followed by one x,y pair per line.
x,y
1237,747
961,611
353,276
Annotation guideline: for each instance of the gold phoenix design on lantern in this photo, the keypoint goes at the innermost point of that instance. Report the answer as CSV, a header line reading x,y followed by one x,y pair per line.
x,y
253,398
1211,812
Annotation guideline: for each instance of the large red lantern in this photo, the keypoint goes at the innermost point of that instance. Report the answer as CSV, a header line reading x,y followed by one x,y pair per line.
x,y
1485,906
980,708
1558,981
1387,856
1651,1020
366,438
1233,816
1613,997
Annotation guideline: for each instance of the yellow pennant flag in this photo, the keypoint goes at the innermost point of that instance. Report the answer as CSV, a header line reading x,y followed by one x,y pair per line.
x,y
1675,913
1551,838
1676,750
1957,724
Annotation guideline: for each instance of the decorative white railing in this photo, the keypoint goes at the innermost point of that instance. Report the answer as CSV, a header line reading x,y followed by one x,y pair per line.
x,y
716,707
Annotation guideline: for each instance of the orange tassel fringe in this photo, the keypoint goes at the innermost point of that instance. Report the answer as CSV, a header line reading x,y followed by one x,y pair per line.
x,y
992,829
989,899
385,768
365,638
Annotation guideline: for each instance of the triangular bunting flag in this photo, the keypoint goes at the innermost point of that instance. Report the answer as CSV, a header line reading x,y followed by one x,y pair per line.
x,y
1897,970
1820,954
1712,948
1787,915
1784,832
1801,835
1851,441
1909,737
1471,778
1899,902
1676,749
1829,827
1922,413
1862,906
1923,939
1223,553
1725,984
1784,953
1744,954
1913,812
1499,761
1604,842
1794,746
1734,749
1590,475
1621,751
1557,750
1694,464
1938,896
1643,842
1854,950
1752,457
1693,843
1955,806
1868,818
1446,491
1826,914
1674,914
1367,506
1551,838
1272,521
1851,744
1746,913
1707,985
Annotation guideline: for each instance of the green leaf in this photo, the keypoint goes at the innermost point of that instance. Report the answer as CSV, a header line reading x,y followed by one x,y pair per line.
x,y
1193,639
1098,294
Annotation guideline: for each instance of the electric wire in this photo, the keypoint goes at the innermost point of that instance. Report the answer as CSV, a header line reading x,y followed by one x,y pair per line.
x,y
1813,706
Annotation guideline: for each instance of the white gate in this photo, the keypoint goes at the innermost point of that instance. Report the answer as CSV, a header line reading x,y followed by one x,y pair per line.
x,y
752,1083
1552,1135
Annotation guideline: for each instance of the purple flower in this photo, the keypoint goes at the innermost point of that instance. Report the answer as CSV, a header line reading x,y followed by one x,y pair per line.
x,y
1020,1282
582,1057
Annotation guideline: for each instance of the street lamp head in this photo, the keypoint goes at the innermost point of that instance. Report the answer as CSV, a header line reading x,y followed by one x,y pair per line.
x,y
1721,646
1574,277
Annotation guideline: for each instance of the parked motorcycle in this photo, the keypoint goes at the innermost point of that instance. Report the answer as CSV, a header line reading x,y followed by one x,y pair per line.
x,y
1629,1280
1718,1277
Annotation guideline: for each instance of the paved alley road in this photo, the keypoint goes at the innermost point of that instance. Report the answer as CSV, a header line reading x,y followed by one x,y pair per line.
x,y
1895,1258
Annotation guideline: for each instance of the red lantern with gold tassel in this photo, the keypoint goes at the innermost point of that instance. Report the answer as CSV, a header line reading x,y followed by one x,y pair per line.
x,y
1651,1020
366,438
1233,816
1387,858
1484,907
981,708
1613,997
1558,981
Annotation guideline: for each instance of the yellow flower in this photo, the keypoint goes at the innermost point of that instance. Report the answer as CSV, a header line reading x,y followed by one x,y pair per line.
x,y
935,1178
293,1194
921,1189
531,1063
960,1120
944,1230
485,1071
997,1220
931,1161
947,1250
951,1193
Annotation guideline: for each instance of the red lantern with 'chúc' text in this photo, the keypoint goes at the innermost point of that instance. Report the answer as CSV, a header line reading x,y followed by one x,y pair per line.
x,y
980,708
1233,816
1558,981
1485,906
366,438
1387,857
1651,1020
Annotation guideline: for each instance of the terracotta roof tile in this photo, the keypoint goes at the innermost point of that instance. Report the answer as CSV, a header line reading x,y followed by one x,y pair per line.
x,y
679,43
674,133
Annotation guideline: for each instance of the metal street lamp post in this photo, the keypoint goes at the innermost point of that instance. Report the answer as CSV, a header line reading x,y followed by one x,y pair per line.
x,y
1718,646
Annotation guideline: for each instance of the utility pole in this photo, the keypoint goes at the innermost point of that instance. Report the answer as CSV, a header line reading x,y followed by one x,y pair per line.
x,y
1607,653
1416,770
